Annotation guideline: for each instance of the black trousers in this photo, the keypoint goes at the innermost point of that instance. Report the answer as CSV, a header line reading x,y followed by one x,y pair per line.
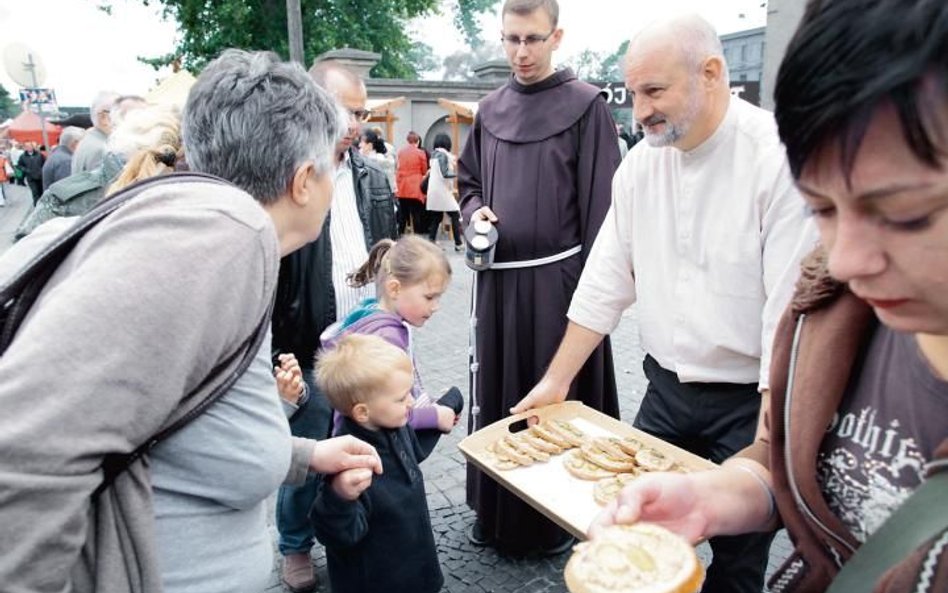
x,y
36,188
714,421
413,211
434,221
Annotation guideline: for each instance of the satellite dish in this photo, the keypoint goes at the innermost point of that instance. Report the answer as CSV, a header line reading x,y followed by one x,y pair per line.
x,y
24,65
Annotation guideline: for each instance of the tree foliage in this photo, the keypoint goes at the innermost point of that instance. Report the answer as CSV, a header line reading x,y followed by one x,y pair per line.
x,y
611,66
8,107
207,27
466,13
460,65
422,57
592,65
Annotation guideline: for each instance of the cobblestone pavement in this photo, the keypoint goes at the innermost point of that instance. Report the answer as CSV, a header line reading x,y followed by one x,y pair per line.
x,y
441,351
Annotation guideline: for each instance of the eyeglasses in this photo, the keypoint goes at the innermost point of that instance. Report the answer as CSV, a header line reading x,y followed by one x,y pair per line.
x,y
362,115
531,41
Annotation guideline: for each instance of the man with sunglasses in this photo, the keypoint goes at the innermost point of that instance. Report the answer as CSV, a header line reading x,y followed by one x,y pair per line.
x,y
538,163
312,292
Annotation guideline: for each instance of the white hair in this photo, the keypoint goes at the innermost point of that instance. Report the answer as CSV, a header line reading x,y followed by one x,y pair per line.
x,y
71,134
148,128
102,102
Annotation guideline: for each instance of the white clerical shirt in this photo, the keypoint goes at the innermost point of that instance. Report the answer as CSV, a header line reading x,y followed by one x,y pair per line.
x,y
348,240
708,243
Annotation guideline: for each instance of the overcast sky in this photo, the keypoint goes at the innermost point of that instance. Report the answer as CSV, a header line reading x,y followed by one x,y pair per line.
x,y
85,50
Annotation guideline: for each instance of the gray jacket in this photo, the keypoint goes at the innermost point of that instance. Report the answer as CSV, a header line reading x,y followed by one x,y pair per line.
x,y
58,166
135,317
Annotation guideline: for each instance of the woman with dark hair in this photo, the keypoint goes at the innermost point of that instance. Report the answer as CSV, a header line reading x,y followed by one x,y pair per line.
x,y
441,197
854,446
373,147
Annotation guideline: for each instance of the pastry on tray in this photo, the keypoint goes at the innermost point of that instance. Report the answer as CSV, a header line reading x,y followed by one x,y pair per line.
x,y
577,464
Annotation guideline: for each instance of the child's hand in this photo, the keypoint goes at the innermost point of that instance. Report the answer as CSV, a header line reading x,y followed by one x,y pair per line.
x,y
289,377
349,484
447,419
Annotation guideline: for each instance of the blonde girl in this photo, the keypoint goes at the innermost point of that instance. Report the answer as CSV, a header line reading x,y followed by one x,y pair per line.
x,y
410,277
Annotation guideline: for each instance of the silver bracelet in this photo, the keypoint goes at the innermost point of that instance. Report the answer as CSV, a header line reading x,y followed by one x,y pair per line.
x,y
771,499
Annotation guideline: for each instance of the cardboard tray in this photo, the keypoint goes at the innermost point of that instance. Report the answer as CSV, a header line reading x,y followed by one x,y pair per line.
x,y
548,487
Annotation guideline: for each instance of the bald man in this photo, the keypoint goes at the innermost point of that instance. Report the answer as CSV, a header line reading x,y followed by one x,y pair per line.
x,y
312,293
704,234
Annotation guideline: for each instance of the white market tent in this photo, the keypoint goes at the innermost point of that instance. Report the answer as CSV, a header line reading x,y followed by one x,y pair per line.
x,y
173,90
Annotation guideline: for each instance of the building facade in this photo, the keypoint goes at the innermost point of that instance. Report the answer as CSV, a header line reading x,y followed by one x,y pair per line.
x,y
783,17
744,53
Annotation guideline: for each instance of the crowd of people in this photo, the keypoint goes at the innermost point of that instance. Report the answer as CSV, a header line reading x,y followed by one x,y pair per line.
x,y
260,290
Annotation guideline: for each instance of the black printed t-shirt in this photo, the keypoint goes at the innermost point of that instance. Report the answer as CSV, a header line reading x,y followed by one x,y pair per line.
x,y
893,416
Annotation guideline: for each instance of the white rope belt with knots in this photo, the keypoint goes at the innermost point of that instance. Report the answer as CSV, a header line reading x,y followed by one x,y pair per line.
x,y
474,406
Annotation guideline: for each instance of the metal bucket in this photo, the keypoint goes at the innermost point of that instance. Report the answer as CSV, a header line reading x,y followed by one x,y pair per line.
x,y
480,239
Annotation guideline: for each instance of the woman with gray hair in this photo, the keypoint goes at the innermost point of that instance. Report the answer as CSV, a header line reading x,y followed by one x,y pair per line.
x,y
151,304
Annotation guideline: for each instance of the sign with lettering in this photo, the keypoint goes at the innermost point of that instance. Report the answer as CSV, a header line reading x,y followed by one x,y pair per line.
x,y
37,96
39,100
749,90
616,95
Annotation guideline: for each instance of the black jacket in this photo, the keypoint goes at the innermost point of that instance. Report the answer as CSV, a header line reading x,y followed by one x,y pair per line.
x,y
305,301
32,165
382,542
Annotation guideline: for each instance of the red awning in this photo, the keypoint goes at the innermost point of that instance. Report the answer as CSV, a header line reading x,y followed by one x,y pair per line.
x,y
26,128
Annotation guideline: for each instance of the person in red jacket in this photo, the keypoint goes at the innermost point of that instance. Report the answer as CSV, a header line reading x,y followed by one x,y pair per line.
x,y
412,166
4,177
858,417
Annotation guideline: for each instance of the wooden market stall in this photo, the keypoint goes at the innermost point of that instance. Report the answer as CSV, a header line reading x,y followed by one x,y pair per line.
x,y
459,113
383,112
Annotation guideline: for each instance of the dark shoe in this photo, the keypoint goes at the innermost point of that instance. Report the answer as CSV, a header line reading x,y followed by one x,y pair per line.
x,y
476,535
298,574
453,399
459,247
558,548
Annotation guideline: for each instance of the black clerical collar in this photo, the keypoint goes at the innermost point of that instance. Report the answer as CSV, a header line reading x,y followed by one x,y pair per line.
x,y
556,79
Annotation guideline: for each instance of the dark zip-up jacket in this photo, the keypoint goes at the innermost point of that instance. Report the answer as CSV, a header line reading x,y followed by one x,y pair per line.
x,y
819,341
383,541
32,164
306,301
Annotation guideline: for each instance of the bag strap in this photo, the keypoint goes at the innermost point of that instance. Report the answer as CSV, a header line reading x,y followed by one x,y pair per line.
x,y
920,518
18,295
116,463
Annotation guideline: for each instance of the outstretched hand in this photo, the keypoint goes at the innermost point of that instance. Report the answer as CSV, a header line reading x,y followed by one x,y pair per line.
x,y
338,454
543,393
667,499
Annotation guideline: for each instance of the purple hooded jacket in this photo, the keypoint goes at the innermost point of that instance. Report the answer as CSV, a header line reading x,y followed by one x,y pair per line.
x,y
369,319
